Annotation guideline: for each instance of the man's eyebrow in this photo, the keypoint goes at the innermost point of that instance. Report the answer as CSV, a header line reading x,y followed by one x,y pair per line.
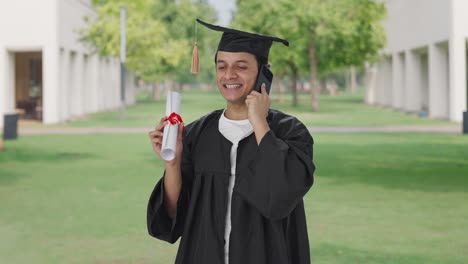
x,y
243,61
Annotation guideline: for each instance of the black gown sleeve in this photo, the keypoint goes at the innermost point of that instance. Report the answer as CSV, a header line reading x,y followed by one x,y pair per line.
x,y
281,172
159,224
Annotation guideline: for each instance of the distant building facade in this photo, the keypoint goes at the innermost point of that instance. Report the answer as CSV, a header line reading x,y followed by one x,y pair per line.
x,y
424,66
46,73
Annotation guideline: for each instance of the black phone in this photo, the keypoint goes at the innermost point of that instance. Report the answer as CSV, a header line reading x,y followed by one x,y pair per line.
x,y
264,76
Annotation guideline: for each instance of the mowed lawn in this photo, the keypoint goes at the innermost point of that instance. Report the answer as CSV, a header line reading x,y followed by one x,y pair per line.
x,y
378,197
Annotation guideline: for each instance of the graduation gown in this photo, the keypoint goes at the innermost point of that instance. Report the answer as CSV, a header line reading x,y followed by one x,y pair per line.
x,y
267,210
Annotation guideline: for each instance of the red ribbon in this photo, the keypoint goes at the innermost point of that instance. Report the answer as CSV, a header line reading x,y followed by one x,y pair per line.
x,y
174,118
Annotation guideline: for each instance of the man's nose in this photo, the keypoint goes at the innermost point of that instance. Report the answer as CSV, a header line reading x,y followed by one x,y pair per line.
x,y
231,73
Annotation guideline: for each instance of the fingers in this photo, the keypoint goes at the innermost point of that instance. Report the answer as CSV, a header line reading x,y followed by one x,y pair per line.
x,y
161,124
156,139
181,130
156,135
263,89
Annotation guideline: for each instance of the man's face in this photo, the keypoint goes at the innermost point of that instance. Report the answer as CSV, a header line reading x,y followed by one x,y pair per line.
x,y
236,73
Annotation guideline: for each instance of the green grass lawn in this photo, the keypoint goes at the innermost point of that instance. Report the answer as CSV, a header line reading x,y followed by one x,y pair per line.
x,y
378,198
343,110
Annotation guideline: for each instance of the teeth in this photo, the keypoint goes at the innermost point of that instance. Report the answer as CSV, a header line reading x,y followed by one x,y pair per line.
x,y
232,86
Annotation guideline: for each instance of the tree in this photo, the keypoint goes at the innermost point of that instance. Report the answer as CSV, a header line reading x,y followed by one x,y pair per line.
x,y
159,35
329,34
257,17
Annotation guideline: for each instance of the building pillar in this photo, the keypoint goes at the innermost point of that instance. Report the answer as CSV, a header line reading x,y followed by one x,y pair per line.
x,y
7,83
387,86
3,82
78,72
64,76
115,68
412,83
87,95
370,84
438,82
72,85
457,81
129,88
398,80
457,61
94,82
51,84
379,82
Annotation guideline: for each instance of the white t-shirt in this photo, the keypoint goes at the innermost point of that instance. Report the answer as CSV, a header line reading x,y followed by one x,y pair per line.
x,y
234,131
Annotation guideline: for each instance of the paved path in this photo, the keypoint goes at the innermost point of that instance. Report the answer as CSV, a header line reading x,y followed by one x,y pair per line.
x,y
122,130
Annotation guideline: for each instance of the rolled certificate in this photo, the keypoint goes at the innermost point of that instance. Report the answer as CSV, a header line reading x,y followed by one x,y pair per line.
x,y
168,147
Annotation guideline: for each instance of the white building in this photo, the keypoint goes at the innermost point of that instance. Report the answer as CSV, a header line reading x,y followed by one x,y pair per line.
x,y
424,66
46,73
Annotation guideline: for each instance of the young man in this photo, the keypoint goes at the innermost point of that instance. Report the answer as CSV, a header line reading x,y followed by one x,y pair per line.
x,y
234,192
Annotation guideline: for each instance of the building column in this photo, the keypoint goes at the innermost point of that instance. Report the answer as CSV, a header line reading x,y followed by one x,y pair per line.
x,y
72,85
3,82
51,84
412,101
7,83
398,80
129,88
387,87
115,68
94,82
87,94
64,78
457,78
379,84
78,72
438,82
457,61
370,83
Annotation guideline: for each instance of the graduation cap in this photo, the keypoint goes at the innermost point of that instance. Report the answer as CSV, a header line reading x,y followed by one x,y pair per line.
x,y
234,40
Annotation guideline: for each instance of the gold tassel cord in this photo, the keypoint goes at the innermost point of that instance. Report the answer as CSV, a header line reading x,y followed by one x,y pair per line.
x,y
195,59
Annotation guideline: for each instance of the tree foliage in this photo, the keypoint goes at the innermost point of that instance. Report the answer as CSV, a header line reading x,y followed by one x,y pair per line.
x,y
325,35
159,35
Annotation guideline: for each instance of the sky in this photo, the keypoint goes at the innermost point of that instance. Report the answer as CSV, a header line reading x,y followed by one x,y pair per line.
x,y
224,8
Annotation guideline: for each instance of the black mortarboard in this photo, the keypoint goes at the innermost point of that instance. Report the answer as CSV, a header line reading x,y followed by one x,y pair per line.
x,y
234,40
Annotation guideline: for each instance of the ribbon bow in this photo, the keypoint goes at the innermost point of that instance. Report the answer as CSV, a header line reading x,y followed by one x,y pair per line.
x,y
174,118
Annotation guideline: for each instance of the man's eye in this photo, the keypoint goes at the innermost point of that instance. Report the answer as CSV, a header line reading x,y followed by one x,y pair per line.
x,y
243,67
220,67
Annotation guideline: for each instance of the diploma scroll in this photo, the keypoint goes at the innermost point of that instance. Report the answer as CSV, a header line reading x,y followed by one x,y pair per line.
x,y
169,143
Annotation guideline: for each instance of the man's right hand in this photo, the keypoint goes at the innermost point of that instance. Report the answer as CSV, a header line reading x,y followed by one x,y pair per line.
x,y
156,138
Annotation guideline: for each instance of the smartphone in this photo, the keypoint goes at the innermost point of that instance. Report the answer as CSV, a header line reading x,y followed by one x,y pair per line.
x,y
264,76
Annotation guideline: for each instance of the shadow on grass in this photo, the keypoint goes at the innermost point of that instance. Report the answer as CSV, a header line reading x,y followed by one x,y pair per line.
x,y
328,253
8,176
14,157
408,166
27,155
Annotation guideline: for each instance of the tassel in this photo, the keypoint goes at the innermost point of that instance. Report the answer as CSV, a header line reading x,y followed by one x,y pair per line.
x,y
195,59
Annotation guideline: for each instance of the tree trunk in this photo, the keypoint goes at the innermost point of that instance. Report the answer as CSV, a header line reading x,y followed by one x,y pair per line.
x,y
294,74
156,92
313,78
353,80
282,91
294,85
348,81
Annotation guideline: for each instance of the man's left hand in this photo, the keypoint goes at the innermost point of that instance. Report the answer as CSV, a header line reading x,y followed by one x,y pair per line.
x,y
258,105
